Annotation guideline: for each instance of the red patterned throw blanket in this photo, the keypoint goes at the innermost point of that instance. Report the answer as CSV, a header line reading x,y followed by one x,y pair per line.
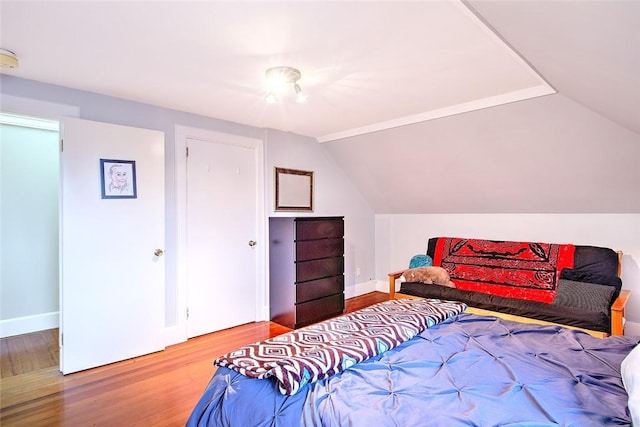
x,y
308,354
523,270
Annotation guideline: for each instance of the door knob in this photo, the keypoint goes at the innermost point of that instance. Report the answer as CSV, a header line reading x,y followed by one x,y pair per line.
x,y
158,252
252,243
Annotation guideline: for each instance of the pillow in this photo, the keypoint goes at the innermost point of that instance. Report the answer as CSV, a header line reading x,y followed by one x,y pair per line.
x,y
596,260
582,276
431,246
420,261
429,275
587,296
594,264
630,370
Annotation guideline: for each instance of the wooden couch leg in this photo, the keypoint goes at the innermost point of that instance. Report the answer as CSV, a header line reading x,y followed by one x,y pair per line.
x,y
392,283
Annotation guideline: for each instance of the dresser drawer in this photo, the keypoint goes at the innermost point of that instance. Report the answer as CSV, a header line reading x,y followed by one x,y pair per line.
x,y
320,309
319,268
314,289
319,228
314,249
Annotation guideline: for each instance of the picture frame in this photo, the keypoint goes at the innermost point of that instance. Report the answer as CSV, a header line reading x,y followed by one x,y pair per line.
x,y
293,190
118,179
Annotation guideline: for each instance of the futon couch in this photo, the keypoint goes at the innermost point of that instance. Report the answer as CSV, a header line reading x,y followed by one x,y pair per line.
x,y
571,285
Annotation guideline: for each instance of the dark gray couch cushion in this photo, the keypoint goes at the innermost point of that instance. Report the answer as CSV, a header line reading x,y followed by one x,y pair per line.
x,y
572,316
583,295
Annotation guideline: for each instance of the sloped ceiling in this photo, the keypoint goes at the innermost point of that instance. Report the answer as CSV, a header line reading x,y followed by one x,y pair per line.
x,y
366,65
588,50
546,155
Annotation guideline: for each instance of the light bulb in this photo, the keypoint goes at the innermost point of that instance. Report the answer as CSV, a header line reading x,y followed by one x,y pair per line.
x,y
271,98
300,96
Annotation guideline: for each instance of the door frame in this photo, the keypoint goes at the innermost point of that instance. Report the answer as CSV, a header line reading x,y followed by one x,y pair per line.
x,y
178,333
49,111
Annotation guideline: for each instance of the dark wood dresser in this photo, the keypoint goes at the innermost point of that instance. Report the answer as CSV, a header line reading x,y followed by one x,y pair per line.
x,y
306,269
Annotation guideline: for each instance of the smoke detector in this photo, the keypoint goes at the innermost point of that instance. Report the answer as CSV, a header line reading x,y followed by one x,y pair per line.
x,y
8,59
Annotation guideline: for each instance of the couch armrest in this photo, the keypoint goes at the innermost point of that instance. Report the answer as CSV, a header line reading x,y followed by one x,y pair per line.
x,y
393,276
617,312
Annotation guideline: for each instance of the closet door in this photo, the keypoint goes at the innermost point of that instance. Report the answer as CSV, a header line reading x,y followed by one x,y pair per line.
x,y
221,234
112,264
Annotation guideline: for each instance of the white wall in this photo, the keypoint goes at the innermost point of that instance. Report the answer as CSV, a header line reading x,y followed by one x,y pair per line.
x,y
334,195
398,237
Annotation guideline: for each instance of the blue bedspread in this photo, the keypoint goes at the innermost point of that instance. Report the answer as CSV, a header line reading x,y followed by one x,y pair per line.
x,y
468,371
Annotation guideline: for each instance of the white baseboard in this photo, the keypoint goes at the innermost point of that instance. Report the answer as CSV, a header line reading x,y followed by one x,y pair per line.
x,y
365,288
359,289
174,335
382,286
28,324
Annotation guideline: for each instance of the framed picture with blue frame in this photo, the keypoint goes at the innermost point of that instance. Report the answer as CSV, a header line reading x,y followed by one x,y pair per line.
x,y
118,179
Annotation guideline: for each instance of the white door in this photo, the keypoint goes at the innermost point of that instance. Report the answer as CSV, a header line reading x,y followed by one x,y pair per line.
x,y
221,231
112,270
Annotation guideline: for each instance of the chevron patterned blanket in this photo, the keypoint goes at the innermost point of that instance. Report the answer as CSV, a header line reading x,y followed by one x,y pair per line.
x,y
308,354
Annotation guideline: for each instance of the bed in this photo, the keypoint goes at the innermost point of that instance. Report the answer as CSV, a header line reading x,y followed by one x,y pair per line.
x,y
460,369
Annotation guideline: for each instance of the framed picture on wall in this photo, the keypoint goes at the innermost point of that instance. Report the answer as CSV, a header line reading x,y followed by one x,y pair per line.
x,y
294,190
118,179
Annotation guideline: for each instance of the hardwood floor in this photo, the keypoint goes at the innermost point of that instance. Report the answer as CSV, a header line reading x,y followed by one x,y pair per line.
x,y
25,353
159,389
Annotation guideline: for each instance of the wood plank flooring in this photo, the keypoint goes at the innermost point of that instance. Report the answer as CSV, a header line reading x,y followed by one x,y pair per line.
x,y
159,389
25,353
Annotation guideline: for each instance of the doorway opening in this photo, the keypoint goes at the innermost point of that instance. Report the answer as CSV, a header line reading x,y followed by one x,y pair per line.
x,y
29,225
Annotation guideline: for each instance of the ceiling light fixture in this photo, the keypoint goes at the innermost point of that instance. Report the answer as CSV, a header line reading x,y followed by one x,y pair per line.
x,y
278,78
8,59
